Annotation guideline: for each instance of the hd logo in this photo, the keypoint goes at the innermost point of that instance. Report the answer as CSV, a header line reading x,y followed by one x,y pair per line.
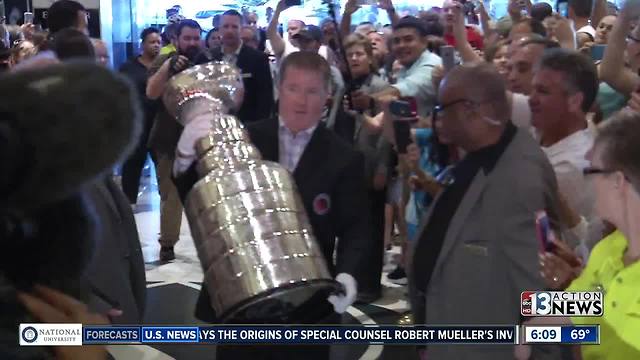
x,y
561,303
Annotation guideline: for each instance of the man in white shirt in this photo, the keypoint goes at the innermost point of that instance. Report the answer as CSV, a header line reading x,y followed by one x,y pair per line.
x,y
524,53
564,88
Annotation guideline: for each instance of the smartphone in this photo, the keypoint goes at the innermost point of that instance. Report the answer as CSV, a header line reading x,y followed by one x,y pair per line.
x,y
290,3
28,17
367,2
562,7
544,232
405,107
402,131
448,55
597,52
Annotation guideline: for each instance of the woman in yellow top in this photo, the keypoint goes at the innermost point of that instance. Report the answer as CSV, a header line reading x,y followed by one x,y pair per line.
x,y
614,266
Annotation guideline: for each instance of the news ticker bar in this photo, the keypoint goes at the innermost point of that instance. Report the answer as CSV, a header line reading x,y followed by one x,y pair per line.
x,y
76,334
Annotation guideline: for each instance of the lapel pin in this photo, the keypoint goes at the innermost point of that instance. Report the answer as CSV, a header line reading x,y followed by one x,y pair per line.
x,y
322,204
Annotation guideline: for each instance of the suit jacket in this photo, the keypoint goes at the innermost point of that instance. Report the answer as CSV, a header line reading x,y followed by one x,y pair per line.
x,y
258,85
328,167
116,271
490,251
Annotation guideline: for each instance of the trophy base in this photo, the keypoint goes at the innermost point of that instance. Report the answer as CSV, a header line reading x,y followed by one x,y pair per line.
x,y
303,303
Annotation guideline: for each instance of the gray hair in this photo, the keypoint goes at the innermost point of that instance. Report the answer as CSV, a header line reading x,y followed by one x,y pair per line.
x,y
621,149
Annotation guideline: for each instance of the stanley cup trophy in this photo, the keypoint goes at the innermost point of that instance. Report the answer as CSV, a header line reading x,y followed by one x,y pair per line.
x,y
260,259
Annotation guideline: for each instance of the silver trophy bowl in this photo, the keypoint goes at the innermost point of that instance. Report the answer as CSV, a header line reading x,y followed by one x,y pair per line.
x,y
260,259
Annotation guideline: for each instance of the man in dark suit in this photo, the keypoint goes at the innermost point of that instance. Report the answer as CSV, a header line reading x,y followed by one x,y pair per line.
x,y
258,86
329,175
479,236
117,275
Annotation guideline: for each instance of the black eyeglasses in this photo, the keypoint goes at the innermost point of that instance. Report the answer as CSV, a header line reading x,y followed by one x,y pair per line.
x,y
594,170
632,38
438,109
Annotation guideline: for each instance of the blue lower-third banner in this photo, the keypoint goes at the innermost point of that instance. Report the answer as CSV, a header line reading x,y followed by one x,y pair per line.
x,y
285,334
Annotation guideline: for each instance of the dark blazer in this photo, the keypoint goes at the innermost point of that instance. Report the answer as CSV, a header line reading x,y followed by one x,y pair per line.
x,y
258,86
328,167
491,250
116,272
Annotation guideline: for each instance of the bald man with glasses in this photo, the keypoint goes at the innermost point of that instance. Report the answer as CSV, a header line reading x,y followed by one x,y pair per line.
x,y
479,236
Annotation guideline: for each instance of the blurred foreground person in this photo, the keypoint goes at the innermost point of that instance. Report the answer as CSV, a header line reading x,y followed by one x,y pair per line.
x,y
54,216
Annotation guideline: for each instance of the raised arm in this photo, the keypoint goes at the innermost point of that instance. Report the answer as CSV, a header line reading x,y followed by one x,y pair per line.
x,y
612,68
345,24
158,80
565,33
485,21
599,11
391,11
460,33
277,42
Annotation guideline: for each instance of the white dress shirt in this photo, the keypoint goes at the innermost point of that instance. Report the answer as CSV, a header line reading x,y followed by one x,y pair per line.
x,y
589,30
291,146
568,160
232,58
520,111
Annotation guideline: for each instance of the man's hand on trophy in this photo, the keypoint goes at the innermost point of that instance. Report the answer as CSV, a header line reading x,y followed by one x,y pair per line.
x,y
195,130
177,63
343,301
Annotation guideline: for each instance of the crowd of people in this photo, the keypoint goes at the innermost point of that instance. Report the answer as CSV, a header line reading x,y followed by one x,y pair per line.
x,y
450,163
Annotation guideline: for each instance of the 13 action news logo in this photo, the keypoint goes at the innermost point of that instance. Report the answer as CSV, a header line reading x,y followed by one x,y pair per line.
x,y
561,303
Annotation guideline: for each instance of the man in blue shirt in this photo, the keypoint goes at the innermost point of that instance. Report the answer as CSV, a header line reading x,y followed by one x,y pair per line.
x,y
410,49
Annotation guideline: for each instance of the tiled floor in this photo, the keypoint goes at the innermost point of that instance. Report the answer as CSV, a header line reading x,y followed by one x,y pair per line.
x,y
173,289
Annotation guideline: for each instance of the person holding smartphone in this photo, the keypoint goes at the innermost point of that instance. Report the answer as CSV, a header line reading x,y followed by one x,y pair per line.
x,y
608,100
376,149
622,76
410,43
614,265
579,11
